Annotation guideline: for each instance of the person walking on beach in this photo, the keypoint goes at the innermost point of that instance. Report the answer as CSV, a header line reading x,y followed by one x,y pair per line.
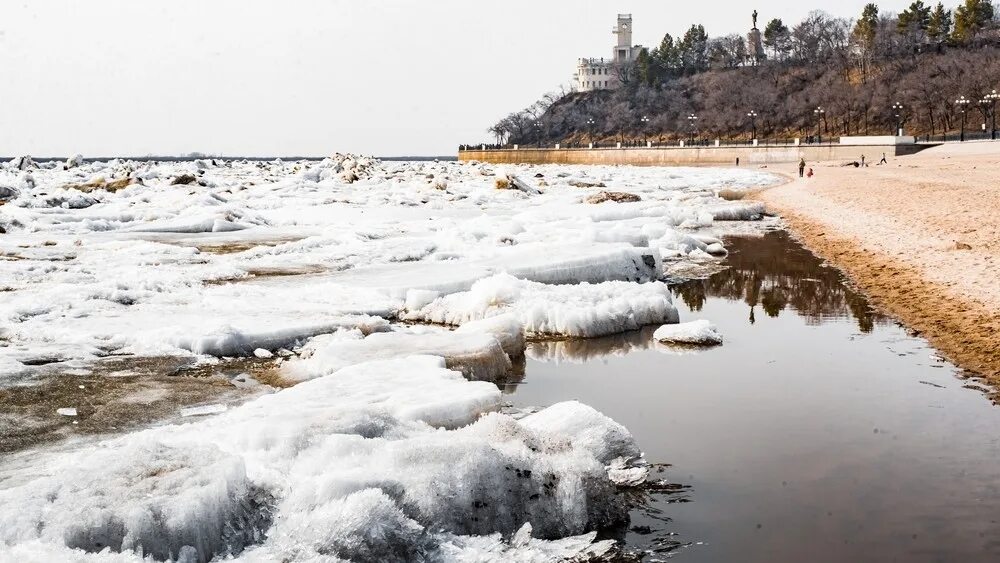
x,y
802,167
862,161
883,161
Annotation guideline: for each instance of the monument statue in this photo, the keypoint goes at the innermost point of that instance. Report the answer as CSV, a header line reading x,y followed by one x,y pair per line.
x,y
755,44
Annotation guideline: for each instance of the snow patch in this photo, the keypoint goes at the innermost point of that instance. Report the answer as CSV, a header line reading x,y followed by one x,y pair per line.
x,y
700,332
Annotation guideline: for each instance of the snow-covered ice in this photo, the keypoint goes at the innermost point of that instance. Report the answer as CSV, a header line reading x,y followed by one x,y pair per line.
x,y
692,332
580,310
390,446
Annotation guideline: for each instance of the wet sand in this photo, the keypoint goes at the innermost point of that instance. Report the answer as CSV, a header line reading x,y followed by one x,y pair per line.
x,y
920,235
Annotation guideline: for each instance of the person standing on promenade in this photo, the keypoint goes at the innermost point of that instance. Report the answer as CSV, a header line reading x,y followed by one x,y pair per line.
x,y
802,167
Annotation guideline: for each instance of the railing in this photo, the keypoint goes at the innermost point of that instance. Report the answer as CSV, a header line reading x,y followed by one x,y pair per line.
x,y
953,137
657,144
975,135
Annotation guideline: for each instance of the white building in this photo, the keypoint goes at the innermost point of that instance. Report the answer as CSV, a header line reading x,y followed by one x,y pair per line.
x,y
599,74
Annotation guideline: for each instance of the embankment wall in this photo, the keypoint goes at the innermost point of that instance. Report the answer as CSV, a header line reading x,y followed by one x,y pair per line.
x,y
689,156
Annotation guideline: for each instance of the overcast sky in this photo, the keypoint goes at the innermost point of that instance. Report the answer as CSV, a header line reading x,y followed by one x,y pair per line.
x,y
309,77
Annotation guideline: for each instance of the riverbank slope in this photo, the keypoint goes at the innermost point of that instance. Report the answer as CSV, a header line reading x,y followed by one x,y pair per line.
x,y
921,235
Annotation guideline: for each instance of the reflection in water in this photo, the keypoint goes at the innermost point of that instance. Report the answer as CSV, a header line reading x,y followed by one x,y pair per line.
x,y
581,350
774,273
799,439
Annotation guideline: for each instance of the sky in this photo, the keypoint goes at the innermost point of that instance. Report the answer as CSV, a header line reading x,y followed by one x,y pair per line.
x,y
310,77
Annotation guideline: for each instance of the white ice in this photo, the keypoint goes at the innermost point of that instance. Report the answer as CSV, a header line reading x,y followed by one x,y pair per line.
x,y
693,332
360,465
381,452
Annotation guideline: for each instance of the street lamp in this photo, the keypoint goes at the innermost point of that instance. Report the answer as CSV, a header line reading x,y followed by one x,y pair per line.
x,y
590,128
991,101
962,102
897,109
753,124
819,111
538,133
645,123
693,121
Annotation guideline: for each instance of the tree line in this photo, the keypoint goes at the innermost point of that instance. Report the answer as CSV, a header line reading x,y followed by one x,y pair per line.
x,y
856,70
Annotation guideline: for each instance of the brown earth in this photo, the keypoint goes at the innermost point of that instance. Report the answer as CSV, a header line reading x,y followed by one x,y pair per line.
x,y
920,235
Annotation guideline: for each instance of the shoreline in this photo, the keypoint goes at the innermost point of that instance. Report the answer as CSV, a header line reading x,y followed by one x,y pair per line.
x,y
928,256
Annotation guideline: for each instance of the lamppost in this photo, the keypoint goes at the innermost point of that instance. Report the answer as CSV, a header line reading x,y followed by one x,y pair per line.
x,y
753,124
590,129
693,121
962,102
897,109
538,133
645,135
819,111
991,101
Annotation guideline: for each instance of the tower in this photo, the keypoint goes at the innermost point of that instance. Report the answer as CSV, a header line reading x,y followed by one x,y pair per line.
x,y
623,50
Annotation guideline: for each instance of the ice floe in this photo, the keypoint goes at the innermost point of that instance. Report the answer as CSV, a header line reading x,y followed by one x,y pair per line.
x,y
391,445
581,310
701,332
384,460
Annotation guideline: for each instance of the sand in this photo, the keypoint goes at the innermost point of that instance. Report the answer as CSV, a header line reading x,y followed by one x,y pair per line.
x,y
920,236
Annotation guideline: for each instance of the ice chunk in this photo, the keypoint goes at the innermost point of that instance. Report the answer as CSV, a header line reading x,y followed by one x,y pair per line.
x,y
552,263
66,411
478,355
700,332
136,495
743,211
73,161
262,353
203,410
585,428
230,341
505,328
582,310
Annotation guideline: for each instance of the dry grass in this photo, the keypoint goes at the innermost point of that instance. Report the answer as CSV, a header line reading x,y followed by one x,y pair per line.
x,y
617,197
101,184
503,184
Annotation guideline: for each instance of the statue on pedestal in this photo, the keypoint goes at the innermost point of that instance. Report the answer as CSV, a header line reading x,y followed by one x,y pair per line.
x,y
755,44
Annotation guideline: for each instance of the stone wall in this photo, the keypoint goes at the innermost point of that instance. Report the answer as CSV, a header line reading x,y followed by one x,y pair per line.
x,y
690,156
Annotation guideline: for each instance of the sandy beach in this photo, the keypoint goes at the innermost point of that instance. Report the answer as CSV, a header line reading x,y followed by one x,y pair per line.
x,y
920,235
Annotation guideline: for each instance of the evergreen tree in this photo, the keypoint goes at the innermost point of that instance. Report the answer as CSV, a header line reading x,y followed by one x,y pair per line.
x,y
971,18
914,19
866,27
665,59
865,31
777,38
645,68
939,24
693,50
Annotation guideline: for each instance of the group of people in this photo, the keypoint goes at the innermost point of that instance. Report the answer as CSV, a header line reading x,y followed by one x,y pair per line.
x,y
883,161
809,174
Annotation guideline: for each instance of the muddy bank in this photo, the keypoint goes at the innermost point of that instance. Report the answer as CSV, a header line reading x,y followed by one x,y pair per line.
x,y
919,236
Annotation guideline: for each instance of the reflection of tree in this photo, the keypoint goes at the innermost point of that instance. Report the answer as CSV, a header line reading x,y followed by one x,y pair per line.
x,y
776,273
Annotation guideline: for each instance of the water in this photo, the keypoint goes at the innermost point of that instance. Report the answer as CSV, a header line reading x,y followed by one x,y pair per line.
x,y
819,431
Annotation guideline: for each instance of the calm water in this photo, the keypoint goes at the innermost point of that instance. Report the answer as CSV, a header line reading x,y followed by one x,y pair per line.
x,y
818,432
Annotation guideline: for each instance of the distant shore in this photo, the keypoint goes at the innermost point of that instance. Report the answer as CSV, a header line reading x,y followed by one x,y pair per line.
x,y
920,235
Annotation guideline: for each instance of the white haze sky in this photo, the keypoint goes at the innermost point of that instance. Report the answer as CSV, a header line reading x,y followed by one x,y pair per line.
x,y
309,77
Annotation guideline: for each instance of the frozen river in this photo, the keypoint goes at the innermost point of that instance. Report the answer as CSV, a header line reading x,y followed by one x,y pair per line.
x,y
309,361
